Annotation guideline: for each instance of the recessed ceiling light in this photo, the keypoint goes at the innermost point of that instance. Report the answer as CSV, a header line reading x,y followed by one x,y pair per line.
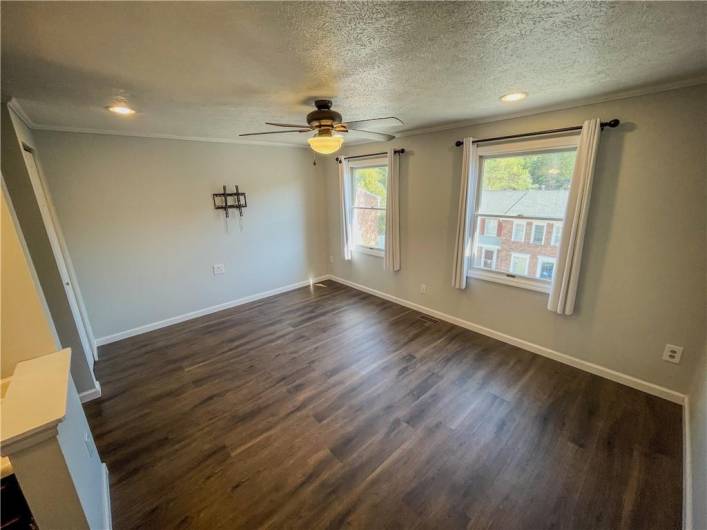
x,y
123,110
514,96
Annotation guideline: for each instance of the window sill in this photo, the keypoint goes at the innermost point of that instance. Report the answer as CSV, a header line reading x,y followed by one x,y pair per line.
x,y
515,281
370,251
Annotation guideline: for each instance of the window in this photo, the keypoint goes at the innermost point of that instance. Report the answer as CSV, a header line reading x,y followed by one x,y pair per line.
x,y
519,264
487,257
538,236
520,183
369,185
490,227
546,267
518,231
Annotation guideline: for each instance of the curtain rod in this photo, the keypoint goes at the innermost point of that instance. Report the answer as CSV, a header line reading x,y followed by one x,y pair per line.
x,y
396,151
611,123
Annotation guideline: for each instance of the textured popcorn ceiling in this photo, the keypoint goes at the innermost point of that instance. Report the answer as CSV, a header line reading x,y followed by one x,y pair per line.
x,y
217,69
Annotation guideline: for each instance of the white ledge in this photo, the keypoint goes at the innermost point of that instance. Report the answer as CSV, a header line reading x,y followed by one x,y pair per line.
x,y
35,401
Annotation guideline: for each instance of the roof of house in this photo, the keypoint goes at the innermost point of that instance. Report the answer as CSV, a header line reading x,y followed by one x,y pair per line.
x,y
527,203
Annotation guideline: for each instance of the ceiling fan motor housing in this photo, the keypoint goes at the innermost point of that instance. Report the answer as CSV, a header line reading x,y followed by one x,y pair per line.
x,y
323,117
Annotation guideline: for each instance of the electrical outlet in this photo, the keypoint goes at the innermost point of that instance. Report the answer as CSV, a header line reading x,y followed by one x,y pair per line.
x,y
672,353
219,268
423,288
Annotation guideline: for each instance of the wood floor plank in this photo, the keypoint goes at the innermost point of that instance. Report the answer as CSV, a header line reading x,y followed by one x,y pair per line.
x,y
326,407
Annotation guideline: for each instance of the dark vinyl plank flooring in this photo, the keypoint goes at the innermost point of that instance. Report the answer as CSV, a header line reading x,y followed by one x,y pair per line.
x,y
330,408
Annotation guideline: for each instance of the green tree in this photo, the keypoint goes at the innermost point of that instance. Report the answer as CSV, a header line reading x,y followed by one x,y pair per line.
x,y
507,173
542,171
372,179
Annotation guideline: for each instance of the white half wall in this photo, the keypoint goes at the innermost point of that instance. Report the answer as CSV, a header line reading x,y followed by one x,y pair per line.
x,y
139,221
643,272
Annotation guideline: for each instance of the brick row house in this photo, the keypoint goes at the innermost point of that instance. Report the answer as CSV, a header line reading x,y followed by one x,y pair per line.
x,y
523,235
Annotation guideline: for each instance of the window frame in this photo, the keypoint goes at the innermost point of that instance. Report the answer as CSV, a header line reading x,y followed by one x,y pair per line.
x,y
495,255
487,222
541,261
524,225
508,148
526,274
359,163
532,233
556,229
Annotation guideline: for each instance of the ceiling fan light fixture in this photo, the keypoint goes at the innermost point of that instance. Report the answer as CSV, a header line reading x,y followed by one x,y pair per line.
x,y
325,143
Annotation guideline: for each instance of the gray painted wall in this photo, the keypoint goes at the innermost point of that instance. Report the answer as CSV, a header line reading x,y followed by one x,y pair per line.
x,y
35,235
643,276
138,218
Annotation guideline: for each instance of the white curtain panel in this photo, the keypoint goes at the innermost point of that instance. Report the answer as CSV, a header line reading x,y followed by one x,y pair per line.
x,y
391,259
566,278
467,201
344,196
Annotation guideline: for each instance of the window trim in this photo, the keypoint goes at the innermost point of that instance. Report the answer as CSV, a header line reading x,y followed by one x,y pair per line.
x,y
534,145
527,264
532,233
556,229
545,259
361,163
513,231
493,249
486,225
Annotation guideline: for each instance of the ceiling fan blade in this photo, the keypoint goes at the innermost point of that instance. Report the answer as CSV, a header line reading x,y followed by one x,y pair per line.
x,y
378,136
276,132
287,125
390,121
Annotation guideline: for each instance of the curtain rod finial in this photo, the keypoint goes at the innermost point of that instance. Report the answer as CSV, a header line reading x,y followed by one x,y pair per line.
x,y
459,143
613,123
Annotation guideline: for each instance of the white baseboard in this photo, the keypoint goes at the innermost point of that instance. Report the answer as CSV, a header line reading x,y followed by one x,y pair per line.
x,y
202,312
107,515
91,394
587,366
686,467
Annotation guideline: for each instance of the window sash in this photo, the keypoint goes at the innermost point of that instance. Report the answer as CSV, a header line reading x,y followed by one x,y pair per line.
x,y
514,148
353,166
542,235
520,226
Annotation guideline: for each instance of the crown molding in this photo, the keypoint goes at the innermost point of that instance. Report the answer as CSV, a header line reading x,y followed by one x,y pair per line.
x,y
14,104
207,139
580,102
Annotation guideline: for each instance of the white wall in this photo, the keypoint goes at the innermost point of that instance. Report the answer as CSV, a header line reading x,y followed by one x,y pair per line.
x,y
643,276
138,218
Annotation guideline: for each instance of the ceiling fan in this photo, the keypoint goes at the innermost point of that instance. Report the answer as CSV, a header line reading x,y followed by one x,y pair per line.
x,y
328,123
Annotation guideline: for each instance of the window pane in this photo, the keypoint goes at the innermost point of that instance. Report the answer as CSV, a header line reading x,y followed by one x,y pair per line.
x,y
538,234
370,186
507,253
528,185
369,228
519,264
546,268
556,234
490,227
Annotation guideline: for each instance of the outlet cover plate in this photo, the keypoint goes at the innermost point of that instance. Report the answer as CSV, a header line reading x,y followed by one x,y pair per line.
x,y
672,353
